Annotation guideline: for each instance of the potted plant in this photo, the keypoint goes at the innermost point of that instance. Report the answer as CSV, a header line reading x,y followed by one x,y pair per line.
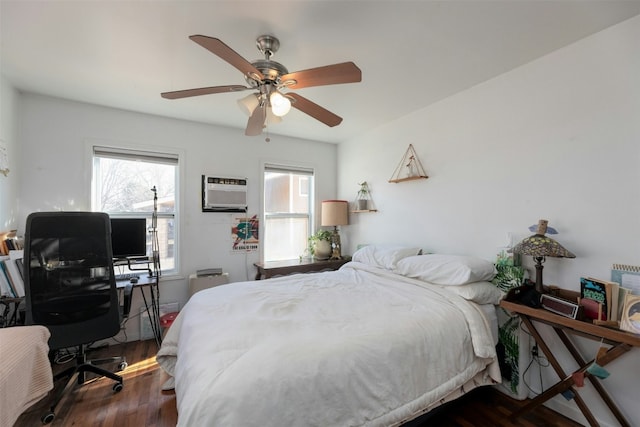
x,y
320,244
362,201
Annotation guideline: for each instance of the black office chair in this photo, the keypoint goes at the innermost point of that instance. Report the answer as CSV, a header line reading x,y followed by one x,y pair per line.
x,y
70,288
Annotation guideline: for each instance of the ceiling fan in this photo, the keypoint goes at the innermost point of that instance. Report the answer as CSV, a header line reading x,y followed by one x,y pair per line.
x,y
269,78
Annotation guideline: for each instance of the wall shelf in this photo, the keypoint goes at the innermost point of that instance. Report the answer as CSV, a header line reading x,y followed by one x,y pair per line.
x,y
364,210
411,178
410,167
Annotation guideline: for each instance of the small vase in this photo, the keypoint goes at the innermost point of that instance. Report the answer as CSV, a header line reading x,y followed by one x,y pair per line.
x,y
362,204
322,249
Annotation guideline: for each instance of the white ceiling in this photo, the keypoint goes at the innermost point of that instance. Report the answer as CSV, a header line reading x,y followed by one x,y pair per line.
x,y
123,54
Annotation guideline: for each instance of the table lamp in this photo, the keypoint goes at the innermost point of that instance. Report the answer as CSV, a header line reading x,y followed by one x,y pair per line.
x,y
539,247
335,213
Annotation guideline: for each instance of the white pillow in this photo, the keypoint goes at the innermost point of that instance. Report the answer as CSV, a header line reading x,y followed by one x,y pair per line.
x,y
478,292
446,269
383,256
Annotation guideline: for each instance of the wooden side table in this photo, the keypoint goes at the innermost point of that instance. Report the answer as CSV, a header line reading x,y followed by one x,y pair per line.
x,y
620,341
292,266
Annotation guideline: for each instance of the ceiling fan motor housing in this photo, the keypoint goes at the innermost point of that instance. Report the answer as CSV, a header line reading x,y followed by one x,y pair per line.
x,y
271,70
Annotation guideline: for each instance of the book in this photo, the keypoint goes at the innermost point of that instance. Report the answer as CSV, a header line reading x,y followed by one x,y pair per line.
x,y
592,309
628,276
15,277
630,320
613,291
622,293
10,245
3,266
5,286
593,293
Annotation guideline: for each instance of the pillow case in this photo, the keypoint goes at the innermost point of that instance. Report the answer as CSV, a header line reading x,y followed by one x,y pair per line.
x,y
449,270
478,292
383,256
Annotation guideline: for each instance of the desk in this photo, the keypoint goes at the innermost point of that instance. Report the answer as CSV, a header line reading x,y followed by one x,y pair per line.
x,y
152,304
620,341
292,266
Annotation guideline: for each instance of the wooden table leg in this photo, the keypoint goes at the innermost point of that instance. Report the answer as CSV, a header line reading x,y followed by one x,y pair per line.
x,y
566,382
612,354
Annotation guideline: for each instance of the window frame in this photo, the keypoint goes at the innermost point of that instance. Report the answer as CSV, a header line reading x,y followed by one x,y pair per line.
x,y
151,154
274,166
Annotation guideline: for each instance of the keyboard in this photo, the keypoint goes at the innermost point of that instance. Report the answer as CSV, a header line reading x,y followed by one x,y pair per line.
x,y
127,276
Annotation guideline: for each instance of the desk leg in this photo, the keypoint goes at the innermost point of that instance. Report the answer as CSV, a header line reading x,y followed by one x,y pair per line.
x,y
566,382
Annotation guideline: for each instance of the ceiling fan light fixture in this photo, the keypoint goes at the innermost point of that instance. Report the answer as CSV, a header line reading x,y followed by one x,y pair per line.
x,y
272,119
249,103
266,78
280,105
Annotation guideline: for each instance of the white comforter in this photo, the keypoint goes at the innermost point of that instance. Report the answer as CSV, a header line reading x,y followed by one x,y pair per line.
x,y
358,346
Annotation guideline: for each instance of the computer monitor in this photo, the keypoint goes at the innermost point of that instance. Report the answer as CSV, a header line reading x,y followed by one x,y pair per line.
x,y
128,237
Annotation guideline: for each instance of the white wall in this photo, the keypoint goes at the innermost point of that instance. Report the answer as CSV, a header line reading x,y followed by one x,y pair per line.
x,y
9,137
56,172
556,139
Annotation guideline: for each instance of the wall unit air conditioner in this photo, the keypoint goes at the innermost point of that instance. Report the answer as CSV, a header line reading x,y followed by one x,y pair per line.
x,y
224,194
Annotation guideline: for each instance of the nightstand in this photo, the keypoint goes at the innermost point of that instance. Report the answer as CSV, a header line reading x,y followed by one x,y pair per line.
x,y
620,342
293,266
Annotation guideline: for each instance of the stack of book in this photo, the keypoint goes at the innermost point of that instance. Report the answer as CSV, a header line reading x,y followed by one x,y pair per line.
x,y
9,242
629,278
11,274
603,300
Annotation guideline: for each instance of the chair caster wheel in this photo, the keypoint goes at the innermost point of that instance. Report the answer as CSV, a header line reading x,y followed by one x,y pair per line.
x,y
47,418
117,387
122,366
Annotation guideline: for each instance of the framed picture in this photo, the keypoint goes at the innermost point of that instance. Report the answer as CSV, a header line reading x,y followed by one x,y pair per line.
x,y
630,320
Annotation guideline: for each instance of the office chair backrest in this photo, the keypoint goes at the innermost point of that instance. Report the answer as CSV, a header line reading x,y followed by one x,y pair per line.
x,y
69,283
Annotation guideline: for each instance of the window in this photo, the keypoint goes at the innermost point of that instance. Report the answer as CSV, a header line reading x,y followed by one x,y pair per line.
x,y
122,187
288,211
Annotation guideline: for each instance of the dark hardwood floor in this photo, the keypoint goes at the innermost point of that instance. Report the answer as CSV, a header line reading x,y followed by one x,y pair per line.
x,y
142,403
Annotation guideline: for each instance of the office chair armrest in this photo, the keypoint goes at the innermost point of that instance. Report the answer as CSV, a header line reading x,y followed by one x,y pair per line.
x,y
128,295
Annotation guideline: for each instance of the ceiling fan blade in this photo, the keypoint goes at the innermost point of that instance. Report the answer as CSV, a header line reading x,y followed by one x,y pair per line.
x,y
314,110
256,121
217,47
203,91
345,72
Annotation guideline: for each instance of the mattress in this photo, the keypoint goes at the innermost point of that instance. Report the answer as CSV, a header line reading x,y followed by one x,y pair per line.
x,y
360,346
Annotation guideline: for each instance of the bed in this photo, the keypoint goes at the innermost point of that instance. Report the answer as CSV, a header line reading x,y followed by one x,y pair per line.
x,y
25,371
371,344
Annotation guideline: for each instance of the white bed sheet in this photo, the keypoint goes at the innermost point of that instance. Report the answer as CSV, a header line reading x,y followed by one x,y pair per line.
x,y
354,347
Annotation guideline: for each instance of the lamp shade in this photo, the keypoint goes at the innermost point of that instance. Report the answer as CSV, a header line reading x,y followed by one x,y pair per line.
x,y
335,212
540,245
272,119
248,103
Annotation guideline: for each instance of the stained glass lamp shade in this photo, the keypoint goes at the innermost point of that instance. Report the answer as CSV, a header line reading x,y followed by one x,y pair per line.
x,y
540,246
